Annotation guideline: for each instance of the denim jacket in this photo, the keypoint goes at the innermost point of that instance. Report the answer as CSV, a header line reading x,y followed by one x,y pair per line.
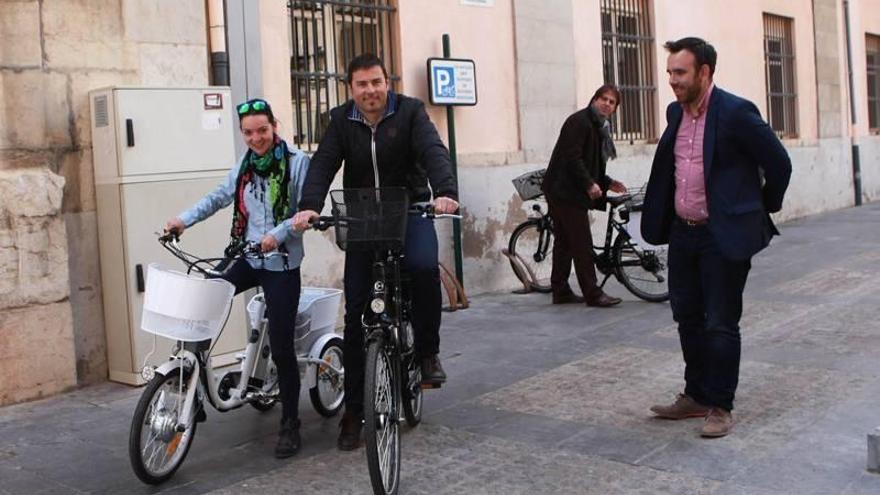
x,y
261,221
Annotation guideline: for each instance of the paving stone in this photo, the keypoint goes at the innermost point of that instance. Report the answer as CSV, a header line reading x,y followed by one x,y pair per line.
x,y
546,399
439,460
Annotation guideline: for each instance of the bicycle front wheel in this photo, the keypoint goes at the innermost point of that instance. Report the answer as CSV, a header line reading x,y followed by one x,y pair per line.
x,y
532,243
643,272
381,418
155,448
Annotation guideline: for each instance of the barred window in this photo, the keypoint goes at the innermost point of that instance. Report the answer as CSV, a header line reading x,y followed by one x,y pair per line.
x,y
325,36
779,75
628,62
872,50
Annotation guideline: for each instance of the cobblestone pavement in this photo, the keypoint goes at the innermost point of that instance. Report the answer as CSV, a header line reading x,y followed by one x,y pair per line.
x,y
546,399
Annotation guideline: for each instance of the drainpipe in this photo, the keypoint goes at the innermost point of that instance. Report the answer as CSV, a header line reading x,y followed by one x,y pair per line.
x,y
217,42
856,166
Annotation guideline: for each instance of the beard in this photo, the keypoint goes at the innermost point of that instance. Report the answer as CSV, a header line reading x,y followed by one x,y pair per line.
x,y
691,93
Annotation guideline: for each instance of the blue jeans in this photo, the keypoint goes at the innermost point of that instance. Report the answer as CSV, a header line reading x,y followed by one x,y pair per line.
x,y
422,264
705,292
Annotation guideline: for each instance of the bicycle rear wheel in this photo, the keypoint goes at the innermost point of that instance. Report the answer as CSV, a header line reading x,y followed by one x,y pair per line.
x,y
381,413
412,394
533,244
642,271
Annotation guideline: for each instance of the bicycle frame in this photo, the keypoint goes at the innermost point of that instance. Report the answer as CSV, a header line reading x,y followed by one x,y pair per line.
x,y
618,217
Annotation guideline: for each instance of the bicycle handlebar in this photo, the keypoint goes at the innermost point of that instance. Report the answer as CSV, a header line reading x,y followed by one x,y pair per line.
x,y
248,249
323,223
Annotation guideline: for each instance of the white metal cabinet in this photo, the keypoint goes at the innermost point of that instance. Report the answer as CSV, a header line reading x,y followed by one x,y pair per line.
x,y
156,152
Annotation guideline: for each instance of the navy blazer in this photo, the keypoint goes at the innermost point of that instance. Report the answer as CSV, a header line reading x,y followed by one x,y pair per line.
x,y
746,170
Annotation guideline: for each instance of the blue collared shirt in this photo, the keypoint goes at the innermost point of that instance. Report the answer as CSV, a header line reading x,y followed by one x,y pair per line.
x,y
261,220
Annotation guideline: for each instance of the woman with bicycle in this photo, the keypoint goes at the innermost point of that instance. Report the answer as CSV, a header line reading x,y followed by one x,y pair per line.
x,y
264,189
576,182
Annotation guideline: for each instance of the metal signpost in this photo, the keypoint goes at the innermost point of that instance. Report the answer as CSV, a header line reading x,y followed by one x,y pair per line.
x,y
452,82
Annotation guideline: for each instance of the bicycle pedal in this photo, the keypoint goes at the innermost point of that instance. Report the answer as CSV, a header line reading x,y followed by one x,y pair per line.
x,y
430,385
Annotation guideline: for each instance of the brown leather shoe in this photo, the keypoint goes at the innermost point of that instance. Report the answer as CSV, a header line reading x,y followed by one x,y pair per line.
x,y
567,298
350,432
604,301
683,407
432,371
719,422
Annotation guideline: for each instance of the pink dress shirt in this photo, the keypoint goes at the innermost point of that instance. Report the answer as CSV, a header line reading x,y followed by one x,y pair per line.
x,y
690,185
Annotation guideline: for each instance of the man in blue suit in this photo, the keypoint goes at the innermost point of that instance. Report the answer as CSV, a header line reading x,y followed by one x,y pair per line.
x,y
718,172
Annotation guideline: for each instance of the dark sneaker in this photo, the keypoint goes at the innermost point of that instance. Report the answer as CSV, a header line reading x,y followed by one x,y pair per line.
x,y
288,439
719,422
567,298
432,370
350,432
604,301
683,407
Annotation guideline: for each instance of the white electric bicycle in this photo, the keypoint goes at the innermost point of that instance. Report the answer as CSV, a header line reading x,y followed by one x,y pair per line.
x,y
192,310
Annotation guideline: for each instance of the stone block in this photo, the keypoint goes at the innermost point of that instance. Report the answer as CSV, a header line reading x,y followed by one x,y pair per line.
x,y
30,193
33,242
83,20
173,65
36,352
164,21
19,40
548,84
545,10
77,168
544,41
540,125
109,54
34,110
874,451
90,343
19,159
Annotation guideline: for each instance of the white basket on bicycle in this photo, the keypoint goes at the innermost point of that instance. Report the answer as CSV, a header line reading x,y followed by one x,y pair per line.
x,y
316,315
528,185
185,307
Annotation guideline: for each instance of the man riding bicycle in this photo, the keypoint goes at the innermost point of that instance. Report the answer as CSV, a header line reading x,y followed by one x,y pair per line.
x,y
386,140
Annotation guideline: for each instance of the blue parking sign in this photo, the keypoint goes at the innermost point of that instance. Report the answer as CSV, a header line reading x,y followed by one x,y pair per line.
x,y
452,81
445,77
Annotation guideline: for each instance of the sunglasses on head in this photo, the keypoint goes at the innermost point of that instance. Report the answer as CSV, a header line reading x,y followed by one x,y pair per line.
x,y
252,107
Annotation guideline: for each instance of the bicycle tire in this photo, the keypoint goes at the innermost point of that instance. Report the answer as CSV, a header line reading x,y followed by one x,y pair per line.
x,y
158,423
412,395
381,423
536,252
643,272
327,396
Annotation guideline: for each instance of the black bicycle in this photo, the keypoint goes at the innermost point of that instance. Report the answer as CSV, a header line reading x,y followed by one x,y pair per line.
x,y
375,220
641,270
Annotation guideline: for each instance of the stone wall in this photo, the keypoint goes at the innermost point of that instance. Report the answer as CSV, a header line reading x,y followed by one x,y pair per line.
x,y
52,53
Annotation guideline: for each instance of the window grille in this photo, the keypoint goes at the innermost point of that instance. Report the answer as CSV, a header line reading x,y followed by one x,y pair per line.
x,y
628,62
872,67
325,35
779,75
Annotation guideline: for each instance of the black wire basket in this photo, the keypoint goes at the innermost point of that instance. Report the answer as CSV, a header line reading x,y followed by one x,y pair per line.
x,y
370,219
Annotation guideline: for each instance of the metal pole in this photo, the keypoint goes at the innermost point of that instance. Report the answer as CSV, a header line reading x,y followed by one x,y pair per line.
x,y
856,165
456,223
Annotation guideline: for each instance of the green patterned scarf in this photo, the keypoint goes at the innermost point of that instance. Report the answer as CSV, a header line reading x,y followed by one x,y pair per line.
x,y
272,166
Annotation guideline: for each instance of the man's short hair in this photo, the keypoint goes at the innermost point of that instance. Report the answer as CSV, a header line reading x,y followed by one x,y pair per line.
x,y
364,61
704,53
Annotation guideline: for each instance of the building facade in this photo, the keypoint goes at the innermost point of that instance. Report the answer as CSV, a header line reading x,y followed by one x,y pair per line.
x,y
811,66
